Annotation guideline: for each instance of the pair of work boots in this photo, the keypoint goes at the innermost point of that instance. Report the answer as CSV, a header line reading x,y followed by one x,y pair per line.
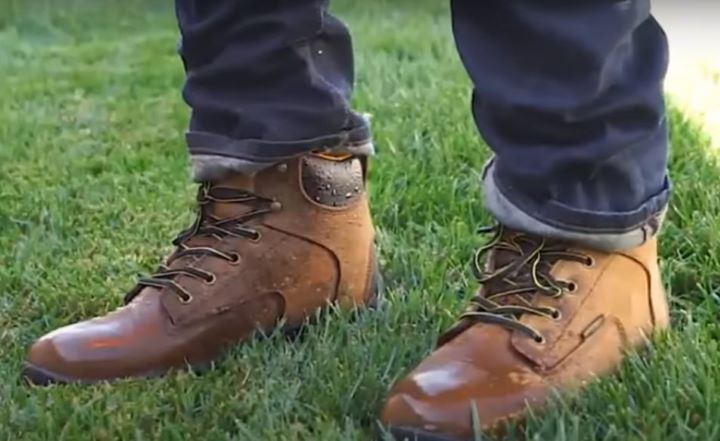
x,y
297,237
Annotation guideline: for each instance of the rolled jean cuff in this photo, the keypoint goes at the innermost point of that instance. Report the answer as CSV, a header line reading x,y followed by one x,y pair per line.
x,y
215,156
604,231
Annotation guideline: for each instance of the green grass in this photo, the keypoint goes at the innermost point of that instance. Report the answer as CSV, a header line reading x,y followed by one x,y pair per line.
x,y
94,183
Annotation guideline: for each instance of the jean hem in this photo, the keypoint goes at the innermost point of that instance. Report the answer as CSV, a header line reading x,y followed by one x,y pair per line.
x,y
269,151
215,167
610,236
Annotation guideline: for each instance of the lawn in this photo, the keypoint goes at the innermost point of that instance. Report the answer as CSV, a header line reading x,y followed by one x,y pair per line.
x,y
94,184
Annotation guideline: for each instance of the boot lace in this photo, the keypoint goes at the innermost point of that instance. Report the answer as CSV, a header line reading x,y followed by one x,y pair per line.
x,y
521,272
207,225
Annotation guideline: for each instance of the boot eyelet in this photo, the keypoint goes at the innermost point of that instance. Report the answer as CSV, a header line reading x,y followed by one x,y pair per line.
x,y
211,280
590,262
234,258
557,315
571,287
256,238
539,339
186,300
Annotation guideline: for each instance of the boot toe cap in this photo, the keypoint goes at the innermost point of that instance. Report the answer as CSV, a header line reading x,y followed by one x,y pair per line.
x,y
45,364
68,355
453,399
432,401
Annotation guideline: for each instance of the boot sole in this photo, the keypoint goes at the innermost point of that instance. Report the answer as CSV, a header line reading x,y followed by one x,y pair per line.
x,y
38,376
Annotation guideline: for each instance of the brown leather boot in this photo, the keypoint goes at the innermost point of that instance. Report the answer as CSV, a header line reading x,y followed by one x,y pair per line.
x,y
548,316
280,245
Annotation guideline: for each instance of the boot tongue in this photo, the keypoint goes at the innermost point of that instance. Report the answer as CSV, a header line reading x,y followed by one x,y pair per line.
x,y
512,248
222,200
230,188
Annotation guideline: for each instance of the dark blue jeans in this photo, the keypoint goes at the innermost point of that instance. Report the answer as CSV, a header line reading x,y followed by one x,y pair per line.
x,y
568,94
